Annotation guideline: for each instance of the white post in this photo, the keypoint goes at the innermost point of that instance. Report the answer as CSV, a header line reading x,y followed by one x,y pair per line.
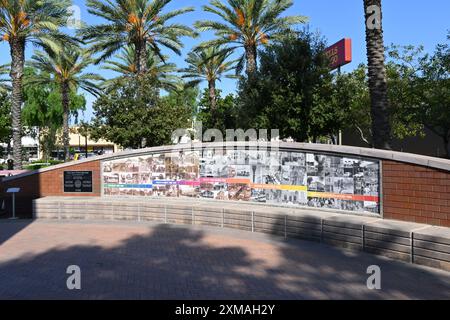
x,y
13,191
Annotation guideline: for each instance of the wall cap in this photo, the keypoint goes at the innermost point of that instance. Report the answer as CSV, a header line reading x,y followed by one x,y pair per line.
x,y
408,158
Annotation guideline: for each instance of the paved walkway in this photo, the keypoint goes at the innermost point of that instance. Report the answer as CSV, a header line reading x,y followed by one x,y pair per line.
x,y
152,261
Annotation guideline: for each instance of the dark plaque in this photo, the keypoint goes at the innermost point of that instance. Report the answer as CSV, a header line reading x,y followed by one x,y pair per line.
x,y
77,181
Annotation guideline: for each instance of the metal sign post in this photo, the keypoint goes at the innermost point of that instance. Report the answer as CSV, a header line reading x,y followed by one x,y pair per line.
x,y
13,191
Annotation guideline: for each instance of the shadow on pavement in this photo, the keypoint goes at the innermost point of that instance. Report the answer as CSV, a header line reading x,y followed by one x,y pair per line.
x,y
177,263
9,228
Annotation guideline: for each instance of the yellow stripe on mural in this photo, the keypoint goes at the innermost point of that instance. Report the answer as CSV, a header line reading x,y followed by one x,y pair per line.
x,y
293,188
278,187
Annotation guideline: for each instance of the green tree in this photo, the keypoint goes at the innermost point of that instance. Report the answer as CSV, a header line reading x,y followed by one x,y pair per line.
x,y
377,75
140,23
401,69
433,88
421,92
352,94
247,24
5,118
209,64
226,112
21,22
163,72
185,97
4,82
66,68
293,91
43,109
418,92
132,120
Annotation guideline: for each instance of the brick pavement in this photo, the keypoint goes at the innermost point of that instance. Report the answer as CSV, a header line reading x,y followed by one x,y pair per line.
x,y
153,261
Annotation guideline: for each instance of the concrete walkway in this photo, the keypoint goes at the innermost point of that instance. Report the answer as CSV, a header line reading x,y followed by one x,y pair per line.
x,y
126,260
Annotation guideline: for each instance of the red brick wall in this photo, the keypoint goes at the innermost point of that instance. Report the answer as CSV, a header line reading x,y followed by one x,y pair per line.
x,y
46,184
415,193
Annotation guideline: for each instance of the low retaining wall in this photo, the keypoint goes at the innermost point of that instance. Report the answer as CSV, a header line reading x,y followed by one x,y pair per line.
x,y
411,242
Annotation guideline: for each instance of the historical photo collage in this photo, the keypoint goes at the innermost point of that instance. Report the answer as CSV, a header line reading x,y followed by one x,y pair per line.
x,y
151,175
287,178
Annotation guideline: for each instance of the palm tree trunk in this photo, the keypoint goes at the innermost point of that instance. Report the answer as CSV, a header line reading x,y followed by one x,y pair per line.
x,y
212,100
141,57
251,55
377,76
66,112
17,48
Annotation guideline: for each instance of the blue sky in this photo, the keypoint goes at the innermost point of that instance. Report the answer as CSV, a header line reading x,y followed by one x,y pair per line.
x,y
405,22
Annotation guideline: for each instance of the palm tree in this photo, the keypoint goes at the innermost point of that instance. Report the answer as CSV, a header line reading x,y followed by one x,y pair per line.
x,y
140,23
4,83
163,72
21,22
209,64
381,129
248,24
66,69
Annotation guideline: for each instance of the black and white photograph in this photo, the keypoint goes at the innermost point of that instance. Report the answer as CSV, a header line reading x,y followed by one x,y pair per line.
x,y
316,183
279,172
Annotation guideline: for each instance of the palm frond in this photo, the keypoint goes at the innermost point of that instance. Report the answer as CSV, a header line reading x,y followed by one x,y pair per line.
x,y
125,66
209,63
134,22
247,23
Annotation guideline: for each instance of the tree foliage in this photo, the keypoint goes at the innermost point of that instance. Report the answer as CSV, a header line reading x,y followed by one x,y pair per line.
x,y
186,97
43,108
133,120
211,65
66,68
23,22
4,81
226,112
434,93
293,91
418,91
423,90
5,118
162,72
247,24
141,23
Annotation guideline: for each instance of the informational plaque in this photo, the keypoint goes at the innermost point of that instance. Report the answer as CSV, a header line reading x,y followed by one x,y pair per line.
x,y
77,181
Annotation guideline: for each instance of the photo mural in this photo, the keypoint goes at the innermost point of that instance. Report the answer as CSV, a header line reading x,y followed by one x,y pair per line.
x,y
278,177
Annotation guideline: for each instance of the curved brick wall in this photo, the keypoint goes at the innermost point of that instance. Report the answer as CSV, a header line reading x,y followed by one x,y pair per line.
x,y
416,193
45,183
413,188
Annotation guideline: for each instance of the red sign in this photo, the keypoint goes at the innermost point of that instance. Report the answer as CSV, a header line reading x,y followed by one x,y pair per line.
x,y
339,53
